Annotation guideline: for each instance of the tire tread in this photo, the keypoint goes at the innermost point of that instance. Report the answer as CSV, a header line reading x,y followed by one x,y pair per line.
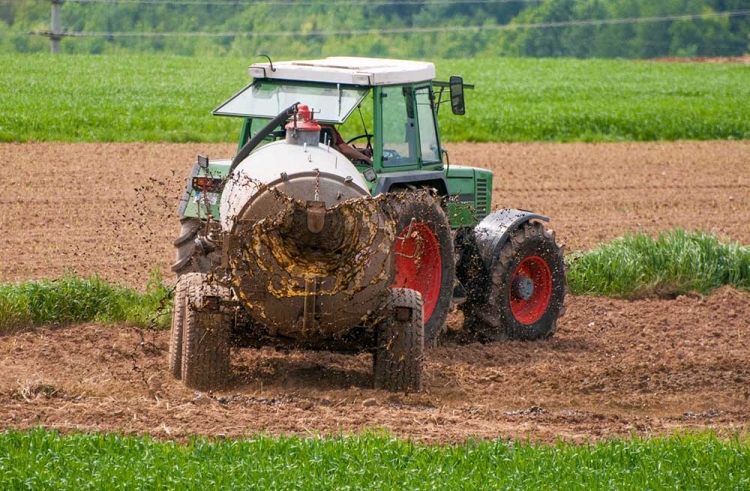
x,y
399,355
205,355
176,333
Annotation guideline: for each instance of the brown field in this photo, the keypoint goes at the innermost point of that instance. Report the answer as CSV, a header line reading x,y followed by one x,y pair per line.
x,y
745,60
614,367
109,209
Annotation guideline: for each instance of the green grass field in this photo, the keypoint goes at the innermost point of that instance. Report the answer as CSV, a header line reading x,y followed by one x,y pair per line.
x,y
675,262
41,460
72,300
169,98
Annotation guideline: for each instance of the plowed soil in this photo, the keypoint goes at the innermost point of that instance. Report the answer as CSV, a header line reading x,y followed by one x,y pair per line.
x,y
613,368
109,209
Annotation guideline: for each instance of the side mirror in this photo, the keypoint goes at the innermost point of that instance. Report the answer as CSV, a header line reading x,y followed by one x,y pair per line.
x,y
457,95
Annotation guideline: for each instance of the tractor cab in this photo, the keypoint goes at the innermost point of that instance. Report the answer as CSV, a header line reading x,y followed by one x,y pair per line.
x,y
385,109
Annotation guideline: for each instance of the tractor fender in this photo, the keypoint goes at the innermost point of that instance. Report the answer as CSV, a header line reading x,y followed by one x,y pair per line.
x,y
494,230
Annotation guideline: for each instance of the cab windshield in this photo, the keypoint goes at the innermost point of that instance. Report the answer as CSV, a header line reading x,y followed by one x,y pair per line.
x,y
331,103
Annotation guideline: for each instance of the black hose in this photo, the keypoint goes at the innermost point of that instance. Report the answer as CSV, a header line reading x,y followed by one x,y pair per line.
x,y
261,135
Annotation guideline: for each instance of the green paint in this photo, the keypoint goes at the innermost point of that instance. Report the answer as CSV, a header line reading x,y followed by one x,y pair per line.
x,y
200,206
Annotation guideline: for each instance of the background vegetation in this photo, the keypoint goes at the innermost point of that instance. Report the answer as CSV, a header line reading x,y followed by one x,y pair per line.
x,y
675,262
714,36
170,98
41,460
71,300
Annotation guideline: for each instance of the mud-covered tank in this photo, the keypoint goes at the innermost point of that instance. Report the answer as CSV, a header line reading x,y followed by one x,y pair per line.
x,y
308,250
306,253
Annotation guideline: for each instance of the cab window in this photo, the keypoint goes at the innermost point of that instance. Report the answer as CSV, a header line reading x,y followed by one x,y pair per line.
x,y
427,129
399,127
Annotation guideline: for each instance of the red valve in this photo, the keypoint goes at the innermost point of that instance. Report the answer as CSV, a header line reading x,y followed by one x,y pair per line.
x,y
304,121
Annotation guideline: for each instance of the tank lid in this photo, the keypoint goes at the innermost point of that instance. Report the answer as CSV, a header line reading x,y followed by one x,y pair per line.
x,y
303,120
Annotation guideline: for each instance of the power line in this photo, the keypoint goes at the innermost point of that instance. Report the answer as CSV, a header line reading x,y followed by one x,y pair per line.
x,y
305,3
414,30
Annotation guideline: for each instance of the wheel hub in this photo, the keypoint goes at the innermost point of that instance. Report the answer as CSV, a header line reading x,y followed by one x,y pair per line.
x,y
523,287
530,290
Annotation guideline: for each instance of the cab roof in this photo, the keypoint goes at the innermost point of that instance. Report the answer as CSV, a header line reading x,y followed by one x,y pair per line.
x,y
347,70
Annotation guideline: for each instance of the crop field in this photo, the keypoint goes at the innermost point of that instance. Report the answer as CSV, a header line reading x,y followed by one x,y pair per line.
x,y
42,460
163,98
53,207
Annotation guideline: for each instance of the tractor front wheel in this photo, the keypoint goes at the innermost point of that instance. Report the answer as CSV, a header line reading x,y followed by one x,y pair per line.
x,y
526,288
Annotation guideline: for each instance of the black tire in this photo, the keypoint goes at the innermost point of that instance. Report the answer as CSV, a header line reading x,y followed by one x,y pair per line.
x,y
425,208
205,348
531,251
399,351
187,260
176,335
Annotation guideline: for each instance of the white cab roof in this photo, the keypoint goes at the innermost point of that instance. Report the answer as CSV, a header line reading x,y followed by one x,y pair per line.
x,y
347,70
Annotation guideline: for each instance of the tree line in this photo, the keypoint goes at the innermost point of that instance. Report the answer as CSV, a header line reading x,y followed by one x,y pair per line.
x,y
439,29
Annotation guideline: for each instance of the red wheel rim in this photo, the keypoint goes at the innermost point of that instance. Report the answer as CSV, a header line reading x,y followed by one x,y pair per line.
x,y
529,307
419,264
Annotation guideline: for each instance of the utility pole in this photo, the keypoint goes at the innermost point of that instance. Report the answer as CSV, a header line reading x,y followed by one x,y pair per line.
x,y
55,28
55,34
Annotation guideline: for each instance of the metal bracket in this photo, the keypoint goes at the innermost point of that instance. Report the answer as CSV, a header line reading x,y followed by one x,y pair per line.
x,y
316,216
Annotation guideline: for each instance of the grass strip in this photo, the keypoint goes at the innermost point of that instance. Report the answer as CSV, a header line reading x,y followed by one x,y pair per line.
x,y
39,459
71,300
676,262
635,266
170,98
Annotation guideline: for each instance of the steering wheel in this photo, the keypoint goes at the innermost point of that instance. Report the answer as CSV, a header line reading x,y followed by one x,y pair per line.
x,y
359,137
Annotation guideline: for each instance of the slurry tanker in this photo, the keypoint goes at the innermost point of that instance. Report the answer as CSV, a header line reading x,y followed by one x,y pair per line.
x,y
309,239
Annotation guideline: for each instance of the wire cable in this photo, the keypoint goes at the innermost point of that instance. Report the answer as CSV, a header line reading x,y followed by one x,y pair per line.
x,y
411,30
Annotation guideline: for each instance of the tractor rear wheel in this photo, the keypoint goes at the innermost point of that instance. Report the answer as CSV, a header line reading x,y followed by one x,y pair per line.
x,y
175,338
526,288
188,259
424,259
399,349
205,346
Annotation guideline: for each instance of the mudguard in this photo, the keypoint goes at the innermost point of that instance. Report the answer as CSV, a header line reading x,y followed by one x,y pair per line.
x,y
194,204
480,247
489,236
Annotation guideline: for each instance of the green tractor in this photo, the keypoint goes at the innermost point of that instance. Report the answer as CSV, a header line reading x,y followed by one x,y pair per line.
x,y
365,241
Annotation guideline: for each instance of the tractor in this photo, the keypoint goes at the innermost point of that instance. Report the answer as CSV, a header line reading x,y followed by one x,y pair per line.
x,y
309,239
